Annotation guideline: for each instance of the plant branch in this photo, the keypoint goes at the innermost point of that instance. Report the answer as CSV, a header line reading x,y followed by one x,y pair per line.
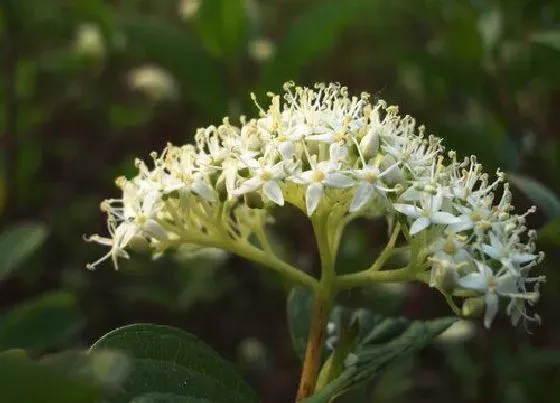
x,y
366,277
246,250
388,251
324,296
315,341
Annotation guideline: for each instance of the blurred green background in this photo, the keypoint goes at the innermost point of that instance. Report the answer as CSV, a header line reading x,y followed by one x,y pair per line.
x,y
89,85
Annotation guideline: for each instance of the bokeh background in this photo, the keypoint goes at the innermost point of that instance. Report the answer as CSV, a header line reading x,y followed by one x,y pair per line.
x,y
89,85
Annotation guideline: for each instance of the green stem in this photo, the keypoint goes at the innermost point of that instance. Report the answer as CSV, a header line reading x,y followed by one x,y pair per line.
x,y
285,269
366,277
247,251
388,251
452,305
324,296
315,341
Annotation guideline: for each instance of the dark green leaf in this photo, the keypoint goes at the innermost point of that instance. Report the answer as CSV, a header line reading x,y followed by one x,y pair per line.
x,y
22,380
222,26
548,38
166,398
41,323
163,44
538,193
17,243
550,233
311,35
167,360
298,306
388,342
104,368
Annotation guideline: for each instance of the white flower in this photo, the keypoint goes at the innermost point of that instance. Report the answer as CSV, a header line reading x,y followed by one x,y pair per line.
x,y
493,286
328,152
428,212
324,173
506,253
189,8
89,40
368,184
155,82
261,49
265,177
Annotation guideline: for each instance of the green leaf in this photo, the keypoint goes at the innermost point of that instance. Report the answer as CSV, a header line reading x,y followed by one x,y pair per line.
x,y
19,242
388,342
310,36
222,26
298,307
105,368
548,38
166,360
22,380
550,233
173,49
41,323
538,193
166,398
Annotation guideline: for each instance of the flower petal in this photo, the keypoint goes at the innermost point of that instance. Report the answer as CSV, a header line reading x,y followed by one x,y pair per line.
x,y
249,185
507,285
492,304
313,197
473,281
441,217
338,180
204,190
272,190
364,192
420,224
150,201
408,209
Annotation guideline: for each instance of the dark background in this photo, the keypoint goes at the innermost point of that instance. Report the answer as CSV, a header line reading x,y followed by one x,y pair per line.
x,y
484,75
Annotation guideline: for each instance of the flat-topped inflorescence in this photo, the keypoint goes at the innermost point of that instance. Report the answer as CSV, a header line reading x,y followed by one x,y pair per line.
x,y
329,153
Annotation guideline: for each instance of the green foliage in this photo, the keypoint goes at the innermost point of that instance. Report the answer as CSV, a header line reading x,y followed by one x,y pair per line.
x,y
198,73
389,341
19,242
548,38
550,233
310,35
222,27
41,323
538,193
105,369
169,361
481,74
298,307
22,380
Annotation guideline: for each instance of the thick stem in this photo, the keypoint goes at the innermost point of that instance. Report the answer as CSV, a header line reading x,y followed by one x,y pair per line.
x,y
321,310
363,278
314,349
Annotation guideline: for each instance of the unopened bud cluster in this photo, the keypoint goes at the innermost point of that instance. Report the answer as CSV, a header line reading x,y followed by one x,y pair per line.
x,y
322,150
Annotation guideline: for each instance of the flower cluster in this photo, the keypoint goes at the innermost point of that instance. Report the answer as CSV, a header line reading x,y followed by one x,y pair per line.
x,y
325,151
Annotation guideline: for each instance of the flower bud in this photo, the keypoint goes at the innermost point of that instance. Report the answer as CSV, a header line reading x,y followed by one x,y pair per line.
x,y
139,244
445,278
459,332
395,175
221,189
253,200
369,144
473,307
